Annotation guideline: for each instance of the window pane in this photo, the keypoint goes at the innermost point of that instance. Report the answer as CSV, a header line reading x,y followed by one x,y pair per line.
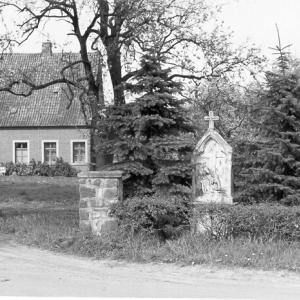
x,y
50,152
78,152
21,152
50,145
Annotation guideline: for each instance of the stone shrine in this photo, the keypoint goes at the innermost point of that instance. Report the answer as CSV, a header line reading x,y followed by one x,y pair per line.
x,y
212,161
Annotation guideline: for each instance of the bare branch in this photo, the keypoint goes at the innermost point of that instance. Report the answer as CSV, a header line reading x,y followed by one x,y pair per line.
x,y
32,87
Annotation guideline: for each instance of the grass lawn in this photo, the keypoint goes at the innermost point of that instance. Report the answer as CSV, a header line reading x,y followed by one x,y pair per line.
x,y
28,195
44,213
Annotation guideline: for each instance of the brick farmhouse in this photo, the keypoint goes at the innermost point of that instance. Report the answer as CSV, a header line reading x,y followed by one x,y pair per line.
x,y
42,126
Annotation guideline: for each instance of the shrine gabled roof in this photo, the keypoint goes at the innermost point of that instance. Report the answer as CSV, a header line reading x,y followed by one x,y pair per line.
x,y
212,134
43,108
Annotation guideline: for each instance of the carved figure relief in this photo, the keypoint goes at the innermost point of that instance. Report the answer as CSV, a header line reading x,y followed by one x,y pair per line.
x,y
208,179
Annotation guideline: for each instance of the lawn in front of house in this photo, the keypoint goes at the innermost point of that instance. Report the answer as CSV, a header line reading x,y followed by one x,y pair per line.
x,y
44,213
37,210
27,195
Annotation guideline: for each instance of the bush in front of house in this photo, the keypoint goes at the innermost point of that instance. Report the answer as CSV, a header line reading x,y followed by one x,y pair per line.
x,y
163,216
18,169
256,222
60,168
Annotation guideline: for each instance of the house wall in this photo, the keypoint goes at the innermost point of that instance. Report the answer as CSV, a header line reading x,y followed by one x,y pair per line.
x,y
36,136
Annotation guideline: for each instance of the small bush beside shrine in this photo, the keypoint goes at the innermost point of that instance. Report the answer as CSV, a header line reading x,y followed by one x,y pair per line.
x,y
162,216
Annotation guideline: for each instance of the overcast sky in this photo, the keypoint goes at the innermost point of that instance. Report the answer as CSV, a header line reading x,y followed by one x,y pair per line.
x,y
249,19
255,20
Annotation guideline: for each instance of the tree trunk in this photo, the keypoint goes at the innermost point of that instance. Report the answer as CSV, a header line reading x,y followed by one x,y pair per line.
x,y
115,67
110,28
99,159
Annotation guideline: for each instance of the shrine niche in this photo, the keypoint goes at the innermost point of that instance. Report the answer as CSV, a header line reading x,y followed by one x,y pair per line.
x,y
212,161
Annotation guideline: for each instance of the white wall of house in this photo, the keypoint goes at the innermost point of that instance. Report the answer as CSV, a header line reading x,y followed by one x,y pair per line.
x,y
69,143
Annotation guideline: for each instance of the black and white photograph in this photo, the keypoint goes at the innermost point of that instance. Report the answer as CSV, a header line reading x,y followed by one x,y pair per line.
x,y
150,149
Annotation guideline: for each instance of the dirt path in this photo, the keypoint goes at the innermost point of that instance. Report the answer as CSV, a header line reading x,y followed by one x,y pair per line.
x,y
32,272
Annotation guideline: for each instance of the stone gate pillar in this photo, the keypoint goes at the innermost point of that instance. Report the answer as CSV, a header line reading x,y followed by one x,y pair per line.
x,y
98,190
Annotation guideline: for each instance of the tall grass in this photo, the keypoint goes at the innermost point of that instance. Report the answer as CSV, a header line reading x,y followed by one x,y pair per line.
x,y
42,229
59,231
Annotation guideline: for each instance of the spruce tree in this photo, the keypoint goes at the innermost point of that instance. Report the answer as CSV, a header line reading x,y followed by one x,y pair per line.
x,y
273,164
152,137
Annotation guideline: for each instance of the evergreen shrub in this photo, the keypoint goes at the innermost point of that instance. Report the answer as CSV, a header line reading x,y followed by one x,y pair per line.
x,y
60,168
263,221
269,167
152,137
162,216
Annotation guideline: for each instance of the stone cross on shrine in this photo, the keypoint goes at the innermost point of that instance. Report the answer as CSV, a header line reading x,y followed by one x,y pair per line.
x,y
211,118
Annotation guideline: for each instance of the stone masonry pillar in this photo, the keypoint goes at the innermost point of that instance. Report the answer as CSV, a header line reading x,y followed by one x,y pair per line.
x,y
98,190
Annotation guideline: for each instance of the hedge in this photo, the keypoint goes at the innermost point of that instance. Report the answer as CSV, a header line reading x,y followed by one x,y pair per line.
x,y
169,217
262,221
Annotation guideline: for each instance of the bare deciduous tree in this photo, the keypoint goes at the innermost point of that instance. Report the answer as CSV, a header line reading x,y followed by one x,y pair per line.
x,y
183,31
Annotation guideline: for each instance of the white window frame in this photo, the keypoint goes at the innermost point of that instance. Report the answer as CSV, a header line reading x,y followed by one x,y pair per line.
x,y
43,149
86,152
14,149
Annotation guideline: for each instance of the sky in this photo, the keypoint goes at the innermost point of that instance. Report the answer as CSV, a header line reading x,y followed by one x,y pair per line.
x,y
250,20
255,20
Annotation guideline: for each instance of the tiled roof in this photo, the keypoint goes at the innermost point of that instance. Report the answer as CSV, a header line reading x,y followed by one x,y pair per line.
x,y
45,107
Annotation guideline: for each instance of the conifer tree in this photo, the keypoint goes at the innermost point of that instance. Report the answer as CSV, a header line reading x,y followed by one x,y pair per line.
x,y
273,172
151,138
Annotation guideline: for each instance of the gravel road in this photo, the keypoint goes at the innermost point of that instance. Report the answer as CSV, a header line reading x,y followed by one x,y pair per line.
x,y
32,272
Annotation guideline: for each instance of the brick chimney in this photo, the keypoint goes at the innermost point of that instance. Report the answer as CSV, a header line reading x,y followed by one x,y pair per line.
x,y
47,48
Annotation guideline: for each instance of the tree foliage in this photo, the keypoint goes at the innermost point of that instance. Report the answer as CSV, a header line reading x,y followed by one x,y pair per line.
x,y
227,100
153,137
